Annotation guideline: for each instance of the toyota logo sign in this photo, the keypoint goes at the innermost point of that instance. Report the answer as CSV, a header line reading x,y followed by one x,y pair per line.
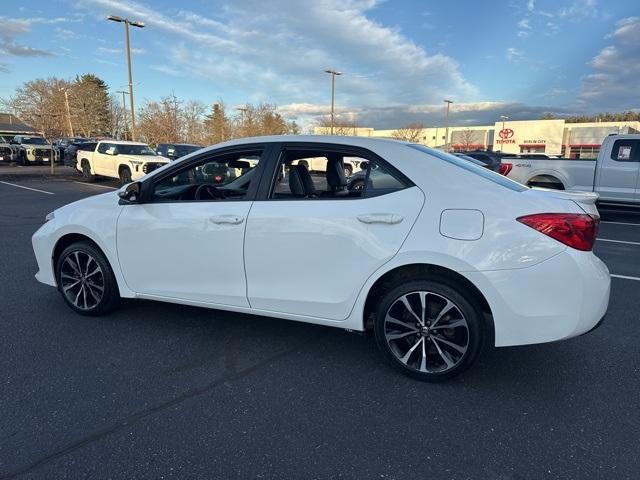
x,y
505,133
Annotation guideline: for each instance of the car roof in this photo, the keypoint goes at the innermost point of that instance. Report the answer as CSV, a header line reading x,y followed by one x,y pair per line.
x,y
366,142
121,142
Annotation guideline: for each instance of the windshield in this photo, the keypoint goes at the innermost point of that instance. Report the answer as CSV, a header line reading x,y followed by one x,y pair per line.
x,y
34,141
134,150
182,150
471,167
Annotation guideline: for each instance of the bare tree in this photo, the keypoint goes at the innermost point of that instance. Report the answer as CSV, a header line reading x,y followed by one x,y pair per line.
x,y
340,126
409,133
159,122
192,119
466,139
41,103
261,119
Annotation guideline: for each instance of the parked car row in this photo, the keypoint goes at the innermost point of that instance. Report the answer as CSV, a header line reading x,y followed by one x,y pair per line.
x,y
27,149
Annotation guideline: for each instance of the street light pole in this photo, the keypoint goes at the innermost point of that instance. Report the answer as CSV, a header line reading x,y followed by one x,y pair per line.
x,y
503,117
333,74
124,109
128,22
446,135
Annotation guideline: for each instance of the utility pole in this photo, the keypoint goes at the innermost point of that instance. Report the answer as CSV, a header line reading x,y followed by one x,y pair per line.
x,y
128,22
243,112
66,101
446,135
333,74
124,109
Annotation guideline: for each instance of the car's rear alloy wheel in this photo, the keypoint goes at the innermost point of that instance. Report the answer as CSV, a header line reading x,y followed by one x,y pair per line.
x,y
428,330
86,280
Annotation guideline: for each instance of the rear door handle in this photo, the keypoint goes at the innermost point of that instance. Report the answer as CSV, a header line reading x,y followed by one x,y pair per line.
x,y
389,218
227,219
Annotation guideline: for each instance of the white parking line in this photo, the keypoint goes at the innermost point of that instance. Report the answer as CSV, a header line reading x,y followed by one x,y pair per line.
x,y
617,241
622,223
95,185
28,188
626,277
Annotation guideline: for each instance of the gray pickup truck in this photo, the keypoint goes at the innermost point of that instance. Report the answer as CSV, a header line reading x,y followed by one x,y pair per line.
x,y
614,175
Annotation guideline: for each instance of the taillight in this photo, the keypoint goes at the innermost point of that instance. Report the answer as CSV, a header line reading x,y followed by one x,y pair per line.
x,y
577,230
505,168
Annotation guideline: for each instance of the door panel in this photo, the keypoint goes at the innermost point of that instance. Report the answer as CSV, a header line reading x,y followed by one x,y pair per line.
x,y
311,257
188,250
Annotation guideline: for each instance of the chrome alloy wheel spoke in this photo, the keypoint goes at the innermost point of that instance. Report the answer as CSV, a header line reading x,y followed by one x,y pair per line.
x,y
82,280
433,340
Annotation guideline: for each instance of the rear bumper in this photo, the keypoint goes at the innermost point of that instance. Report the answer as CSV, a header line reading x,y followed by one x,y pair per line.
x,y
563,297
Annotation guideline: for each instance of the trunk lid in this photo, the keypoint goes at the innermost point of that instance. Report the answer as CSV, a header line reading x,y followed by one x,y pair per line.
x,y
585,200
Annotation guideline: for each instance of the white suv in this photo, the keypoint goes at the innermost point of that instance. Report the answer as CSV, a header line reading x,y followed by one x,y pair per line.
x,y
128,161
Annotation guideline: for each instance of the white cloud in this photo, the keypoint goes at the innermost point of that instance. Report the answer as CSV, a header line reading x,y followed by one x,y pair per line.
x,y
395,116
524,24
11,28
531,5
616,70
513,54
579,9
120,51
277,51
65,34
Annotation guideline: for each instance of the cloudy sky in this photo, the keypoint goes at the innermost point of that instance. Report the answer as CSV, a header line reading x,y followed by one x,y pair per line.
x,y
399,58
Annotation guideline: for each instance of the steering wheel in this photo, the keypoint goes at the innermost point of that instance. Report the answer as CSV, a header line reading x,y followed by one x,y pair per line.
x,y
208,192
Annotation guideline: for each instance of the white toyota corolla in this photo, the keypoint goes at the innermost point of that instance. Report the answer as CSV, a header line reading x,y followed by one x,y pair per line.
x,y
437,256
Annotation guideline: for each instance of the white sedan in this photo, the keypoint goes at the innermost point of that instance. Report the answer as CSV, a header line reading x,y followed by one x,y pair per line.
x,y
435,255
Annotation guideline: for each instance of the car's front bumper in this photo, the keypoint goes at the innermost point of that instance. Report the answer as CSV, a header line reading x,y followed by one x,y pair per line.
x,y
43,250
562,297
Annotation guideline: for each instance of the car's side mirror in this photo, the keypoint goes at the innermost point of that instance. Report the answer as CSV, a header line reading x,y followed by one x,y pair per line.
x,y
130,194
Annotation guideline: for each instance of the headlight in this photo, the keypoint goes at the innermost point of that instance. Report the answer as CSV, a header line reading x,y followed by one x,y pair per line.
x,y
50,216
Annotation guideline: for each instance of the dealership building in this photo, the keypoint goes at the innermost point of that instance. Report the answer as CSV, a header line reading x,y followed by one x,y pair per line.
x,y
552,137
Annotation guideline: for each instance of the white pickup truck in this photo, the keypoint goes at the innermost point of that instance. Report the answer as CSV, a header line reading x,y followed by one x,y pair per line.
x,y
127,161
614,175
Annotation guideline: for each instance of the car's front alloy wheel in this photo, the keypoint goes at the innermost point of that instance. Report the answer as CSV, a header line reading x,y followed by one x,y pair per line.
x,y
428,330
86,280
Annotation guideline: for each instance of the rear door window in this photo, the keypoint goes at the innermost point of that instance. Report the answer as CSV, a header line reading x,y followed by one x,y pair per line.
x,y
626,150
466,165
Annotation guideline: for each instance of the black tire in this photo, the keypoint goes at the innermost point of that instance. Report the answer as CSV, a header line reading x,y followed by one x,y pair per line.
x,y
440,290
77,253
87,176
348,170
125,176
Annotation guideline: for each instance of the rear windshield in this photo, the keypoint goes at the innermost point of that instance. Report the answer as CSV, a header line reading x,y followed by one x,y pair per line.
x,y
471,167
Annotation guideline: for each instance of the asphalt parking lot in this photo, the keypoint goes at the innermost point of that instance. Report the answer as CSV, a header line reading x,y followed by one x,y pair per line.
x,y
166,391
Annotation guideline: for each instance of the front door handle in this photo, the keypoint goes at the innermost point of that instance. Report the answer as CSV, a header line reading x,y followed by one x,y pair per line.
x,y
389,218
227,219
